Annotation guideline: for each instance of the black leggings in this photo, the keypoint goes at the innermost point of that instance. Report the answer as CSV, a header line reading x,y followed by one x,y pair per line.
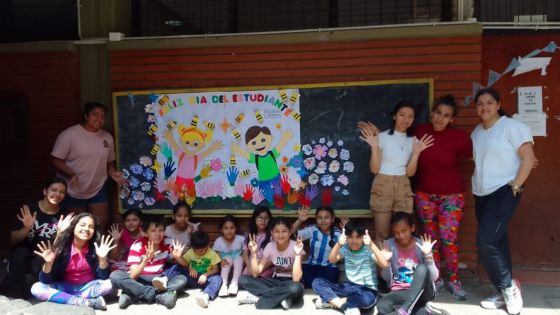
x,y
414,299
271,291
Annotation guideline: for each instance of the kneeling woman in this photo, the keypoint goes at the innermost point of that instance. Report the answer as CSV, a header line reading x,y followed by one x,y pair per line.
x,y
76,270
284,255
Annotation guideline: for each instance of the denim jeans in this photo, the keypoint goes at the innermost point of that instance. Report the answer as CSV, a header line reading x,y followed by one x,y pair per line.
x,y
494,213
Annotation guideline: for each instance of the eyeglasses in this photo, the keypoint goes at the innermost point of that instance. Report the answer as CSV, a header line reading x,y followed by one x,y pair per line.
x,y
264,219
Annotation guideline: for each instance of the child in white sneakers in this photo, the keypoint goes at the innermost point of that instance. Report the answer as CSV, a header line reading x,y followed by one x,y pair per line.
x,y
229,246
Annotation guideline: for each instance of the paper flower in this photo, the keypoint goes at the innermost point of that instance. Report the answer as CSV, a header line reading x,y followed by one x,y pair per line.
x,y
285,159
321,167
343,179
151,118
313,179
296,147
254,182
216,165
149,108
327,180
149,201
125,173
345,192
333,153
344,154
145,161
320,151
133,181
340,143
336,188
348,166
307,149
138,195
148,174
334,166
136,168
131,201
329,143
296,161
322,140
309,163
145,186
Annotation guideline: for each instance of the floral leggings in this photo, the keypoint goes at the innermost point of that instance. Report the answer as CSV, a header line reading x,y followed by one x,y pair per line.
x,y
441,218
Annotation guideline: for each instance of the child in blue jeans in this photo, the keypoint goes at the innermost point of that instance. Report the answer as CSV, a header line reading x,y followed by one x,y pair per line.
x,y
202,263
360,259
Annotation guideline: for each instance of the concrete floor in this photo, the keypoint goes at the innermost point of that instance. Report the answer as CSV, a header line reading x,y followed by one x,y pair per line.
x,y
538,300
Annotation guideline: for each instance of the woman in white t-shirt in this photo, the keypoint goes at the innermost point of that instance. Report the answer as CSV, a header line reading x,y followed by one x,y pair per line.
x,y
394,158
503,156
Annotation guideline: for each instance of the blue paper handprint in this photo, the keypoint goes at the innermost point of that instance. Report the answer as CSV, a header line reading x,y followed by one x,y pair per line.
x,y
168,169
232,174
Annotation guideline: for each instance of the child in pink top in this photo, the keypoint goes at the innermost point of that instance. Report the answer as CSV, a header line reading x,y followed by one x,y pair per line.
x,y
76,270
259,225
132,221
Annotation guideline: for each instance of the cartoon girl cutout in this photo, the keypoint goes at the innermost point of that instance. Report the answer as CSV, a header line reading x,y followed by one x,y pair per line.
x,y
189,151
258,141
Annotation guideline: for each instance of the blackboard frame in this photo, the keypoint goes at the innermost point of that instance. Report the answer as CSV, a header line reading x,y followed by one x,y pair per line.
x,y
355,213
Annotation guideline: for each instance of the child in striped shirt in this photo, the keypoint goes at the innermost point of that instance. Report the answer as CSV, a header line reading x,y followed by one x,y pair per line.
x,y
322,236
147,279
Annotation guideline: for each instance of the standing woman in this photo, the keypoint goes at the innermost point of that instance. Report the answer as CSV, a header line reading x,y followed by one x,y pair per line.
x,y
504,157
394,158
84,154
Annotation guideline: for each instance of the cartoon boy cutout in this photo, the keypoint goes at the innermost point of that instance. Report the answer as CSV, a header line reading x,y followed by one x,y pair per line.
x,y
258,141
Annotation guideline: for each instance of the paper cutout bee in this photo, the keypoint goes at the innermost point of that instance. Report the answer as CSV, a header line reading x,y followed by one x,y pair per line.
x,y
240,118
294,97
155,149
194,121
235,133
283,95
259,117
171,124
163,100
296,115
232,160
245,173
152,129
209,124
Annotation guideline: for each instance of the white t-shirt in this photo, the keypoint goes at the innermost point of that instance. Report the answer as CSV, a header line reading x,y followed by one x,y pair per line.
x,y
232,250
396,150
495,154
283,261
172,234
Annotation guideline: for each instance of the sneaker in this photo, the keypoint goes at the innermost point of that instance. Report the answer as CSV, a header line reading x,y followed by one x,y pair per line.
x,y
286,303
167,299
233,289
97,303
160,283
202,300
433,310
248,299
493,302
223,290
439,284
320,305
512,297
456,288
125,300
352,311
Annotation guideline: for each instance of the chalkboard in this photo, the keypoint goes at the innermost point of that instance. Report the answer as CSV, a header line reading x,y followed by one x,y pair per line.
x,y
328,117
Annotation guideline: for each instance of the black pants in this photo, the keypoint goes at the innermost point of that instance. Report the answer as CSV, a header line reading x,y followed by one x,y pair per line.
x,y
414,299
494,213
142,289
24,271
271,291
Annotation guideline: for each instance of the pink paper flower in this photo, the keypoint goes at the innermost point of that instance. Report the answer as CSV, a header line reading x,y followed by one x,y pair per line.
x,y
320,151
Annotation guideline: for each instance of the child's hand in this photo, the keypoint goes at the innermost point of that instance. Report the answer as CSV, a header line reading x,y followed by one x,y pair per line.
x,y
26,218
104,246
252,243
64,222
427,244
342,238
46,252
367,239
151,251
224,263
193,273
202,279
298,248
343,222
385,251
178,249
303,214
115,232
